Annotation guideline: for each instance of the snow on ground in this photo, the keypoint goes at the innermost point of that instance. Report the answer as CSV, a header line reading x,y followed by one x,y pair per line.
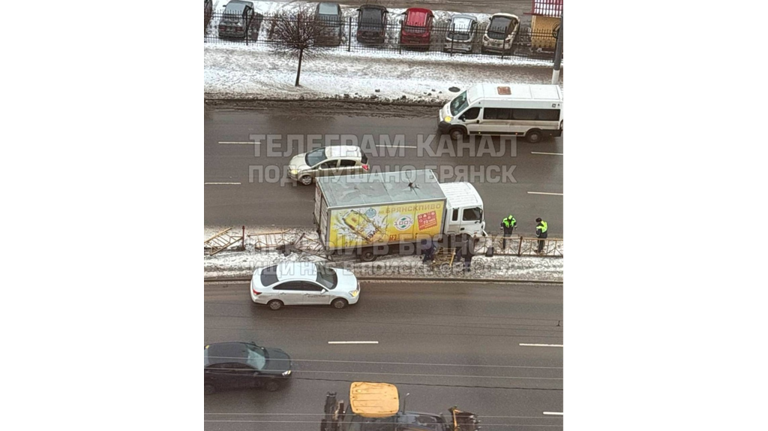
x,y
234,263
255,71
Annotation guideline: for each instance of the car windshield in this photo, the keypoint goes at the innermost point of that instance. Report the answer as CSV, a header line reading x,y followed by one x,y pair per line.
x,y
498,27
326,277
459,103
328,9
315,157
371,16
257,356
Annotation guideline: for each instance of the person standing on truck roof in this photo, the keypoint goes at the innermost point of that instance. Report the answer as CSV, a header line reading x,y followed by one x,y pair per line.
x,y
508,224
541,233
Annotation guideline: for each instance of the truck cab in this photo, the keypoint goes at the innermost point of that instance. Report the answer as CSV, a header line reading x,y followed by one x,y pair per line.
x,y
464,210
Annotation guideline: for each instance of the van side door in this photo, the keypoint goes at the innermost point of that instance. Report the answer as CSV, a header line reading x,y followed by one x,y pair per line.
x,y
472,120
497,121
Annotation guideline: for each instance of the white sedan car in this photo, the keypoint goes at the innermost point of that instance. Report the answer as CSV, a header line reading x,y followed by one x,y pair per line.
x,y
304,283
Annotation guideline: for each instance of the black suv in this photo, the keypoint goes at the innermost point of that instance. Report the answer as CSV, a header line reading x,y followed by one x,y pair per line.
x,y
245,365
371,24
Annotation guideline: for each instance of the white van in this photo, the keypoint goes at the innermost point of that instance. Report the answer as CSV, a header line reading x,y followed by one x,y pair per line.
x,y
532,111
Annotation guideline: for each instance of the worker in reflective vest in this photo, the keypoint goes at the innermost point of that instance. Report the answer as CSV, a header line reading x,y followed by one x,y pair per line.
x,y
541,233
508,224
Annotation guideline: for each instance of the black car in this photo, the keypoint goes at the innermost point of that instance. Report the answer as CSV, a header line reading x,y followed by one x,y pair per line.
x,y
208,13
372,24
245,365
331,21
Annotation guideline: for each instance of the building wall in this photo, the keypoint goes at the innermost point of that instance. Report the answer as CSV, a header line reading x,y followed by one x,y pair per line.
x,y
543,27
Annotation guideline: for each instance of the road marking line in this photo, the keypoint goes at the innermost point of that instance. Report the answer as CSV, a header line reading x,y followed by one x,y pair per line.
x,y
353,342
547,154
397,146
240,143
553,413
541,345
219,184
545,193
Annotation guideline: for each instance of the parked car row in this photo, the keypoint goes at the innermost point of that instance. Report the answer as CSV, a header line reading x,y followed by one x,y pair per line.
x,y
416,29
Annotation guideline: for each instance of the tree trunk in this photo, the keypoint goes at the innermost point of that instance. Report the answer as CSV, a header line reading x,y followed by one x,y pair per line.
x,y
298,73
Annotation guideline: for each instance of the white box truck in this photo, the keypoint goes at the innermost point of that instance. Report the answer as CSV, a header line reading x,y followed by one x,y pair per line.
x,y
382,213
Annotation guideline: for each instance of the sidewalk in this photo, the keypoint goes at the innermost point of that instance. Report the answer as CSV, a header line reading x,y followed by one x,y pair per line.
x,y
255,72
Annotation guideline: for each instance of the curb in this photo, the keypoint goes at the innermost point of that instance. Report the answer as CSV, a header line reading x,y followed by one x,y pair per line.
x,y
411,279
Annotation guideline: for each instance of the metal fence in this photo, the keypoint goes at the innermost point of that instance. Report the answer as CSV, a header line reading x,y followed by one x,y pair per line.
x,y
442,39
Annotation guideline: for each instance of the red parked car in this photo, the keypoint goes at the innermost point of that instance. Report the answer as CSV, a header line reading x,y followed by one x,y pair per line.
x,y
417,28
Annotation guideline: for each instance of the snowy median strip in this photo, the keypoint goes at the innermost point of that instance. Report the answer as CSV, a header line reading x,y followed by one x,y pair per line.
x,y
234,264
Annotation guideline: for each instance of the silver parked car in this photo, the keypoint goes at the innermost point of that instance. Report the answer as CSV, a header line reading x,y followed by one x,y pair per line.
x,y
327,161
461,35
239,20
501,33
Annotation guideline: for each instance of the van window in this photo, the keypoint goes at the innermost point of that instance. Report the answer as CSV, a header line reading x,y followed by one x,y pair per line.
x,y
455,215
536,114
471,114
497,114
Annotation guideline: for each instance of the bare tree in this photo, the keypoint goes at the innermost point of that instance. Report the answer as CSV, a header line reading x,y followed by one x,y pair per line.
x,y
296,33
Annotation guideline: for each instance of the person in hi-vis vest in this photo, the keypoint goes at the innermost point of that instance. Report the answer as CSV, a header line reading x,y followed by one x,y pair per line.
x,y
541,233
508,224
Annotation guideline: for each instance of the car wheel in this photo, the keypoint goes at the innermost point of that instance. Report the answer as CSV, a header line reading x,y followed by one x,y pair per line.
x,y
306,180
275,305
209,389
533,136
339,303
272,386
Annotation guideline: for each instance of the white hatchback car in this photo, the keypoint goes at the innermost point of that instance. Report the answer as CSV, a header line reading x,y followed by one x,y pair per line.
x,y
304,283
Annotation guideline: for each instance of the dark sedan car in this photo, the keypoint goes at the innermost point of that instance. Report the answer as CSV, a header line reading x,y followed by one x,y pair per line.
x,y
245,365
208,13
240,20
371,24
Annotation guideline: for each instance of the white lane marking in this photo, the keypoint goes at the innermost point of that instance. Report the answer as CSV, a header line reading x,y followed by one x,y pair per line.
x,y
240,143
553,413
540,345
545,193
220,184
397,146
353,342
547,154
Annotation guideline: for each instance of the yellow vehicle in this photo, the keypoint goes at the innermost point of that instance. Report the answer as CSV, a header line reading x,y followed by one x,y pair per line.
x,y
377,406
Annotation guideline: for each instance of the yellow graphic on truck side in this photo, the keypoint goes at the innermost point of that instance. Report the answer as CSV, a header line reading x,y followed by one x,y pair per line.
x,y
384,224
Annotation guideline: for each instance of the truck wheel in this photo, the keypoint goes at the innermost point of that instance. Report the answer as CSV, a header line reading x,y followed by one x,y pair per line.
x,y
306,180
367,255
275,305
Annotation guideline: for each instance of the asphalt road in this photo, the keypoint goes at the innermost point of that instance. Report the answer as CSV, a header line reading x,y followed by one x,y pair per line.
x,y
238,189
445,344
